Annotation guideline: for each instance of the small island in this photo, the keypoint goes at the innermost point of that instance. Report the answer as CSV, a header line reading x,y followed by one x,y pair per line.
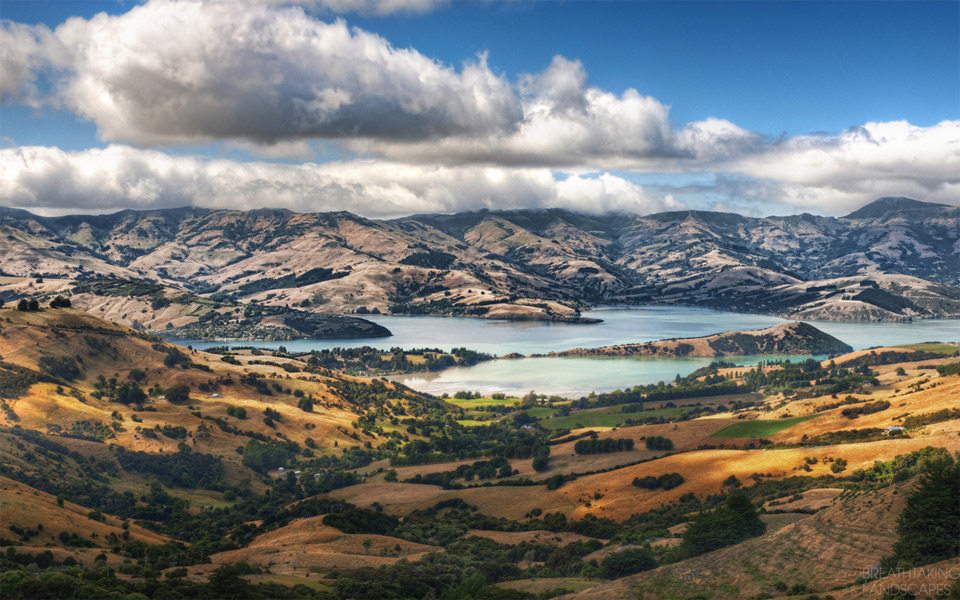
x,y
789,338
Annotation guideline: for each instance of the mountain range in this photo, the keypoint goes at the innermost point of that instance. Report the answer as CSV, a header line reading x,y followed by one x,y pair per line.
x,y
894,259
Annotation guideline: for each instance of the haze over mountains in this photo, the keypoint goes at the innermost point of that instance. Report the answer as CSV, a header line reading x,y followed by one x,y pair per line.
x,y
893,259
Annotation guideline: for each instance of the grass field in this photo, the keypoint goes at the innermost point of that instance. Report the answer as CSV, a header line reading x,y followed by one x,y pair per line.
x,y
759,428
474,422
608,416
475,402
945,349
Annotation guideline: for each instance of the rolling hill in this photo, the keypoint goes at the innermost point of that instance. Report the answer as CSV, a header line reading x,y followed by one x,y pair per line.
x,y
894,259
127,463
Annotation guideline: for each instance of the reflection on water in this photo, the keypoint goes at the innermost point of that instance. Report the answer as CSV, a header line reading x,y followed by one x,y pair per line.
x,y
570,377
577,376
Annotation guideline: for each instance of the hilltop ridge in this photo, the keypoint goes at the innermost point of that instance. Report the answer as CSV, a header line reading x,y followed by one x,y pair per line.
x,y
892,261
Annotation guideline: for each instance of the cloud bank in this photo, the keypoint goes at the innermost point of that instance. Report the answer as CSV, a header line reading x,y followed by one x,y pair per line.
x,y
422,136
116,177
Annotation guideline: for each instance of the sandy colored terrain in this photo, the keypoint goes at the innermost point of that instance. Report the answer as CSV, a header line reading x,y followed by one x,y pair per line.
x,y
497,501
705,470
307,545
26,507
828,549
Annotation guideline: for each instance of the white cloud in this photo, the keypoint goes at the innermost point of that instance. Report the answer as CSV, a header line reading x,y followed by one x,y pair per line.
x,y
183,72
568,124
24,51
368,7
41,178
271,78
837,174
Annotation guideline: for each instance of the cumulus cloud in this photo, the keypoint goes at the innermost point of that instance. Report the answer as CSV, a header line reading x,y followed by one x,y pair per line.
x,y
567,123
189,71
368,7
272,78
42,178
181,72
840,173
25,50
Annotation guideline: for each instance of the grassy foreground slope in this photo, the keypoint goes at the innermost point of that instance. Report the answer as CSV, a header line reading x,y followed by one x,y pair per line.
x,y
170,473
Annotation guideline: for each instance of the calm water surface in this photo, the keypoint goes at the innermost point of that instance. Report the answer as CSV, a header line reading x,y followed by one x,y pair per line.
x,y
577,376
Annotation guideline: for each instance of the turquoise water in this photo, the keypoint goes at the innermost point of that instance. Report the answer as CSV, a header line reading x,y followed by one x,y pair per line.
x,y
577,376
571,377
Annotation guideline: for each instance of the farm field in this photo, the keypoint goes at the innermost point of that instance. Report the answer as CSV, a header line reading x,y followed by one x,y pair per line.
x,y
760,428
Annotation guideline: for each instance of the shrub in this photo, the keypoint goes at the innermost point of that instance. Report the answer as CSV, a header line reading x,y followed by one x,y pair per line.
x,y
60,302
555,481
179,392
667,481
59,366
657,442
262,457
628,562
730,524
603,446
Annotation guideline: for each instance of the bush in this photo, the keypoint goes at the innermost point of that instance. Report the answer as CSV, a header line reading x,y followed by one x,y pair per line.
x,y
732,481
179,392
603,446
59,366
667,481
262,457
730,524
555,481
628,562
657,442
359,520
60,302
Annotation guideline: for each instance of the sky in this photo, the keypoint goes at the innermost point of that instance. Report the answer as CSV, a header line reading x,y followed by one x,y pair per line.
x,y
395,107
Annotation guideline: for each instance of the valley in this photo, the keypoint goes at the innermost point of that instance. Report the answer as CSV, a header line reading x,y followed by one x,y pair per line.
x,y
288,475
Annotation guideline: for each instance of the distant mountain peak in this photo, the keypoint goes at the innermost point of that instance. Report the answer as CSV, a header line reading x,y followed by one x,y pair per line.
x,y
889,204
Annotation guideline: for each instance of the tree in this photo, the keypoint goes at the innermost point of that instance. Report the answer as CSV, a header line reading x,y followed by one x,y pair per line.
x,y
59,366
228,583
658,442
60,302
262,457
628,562
179,392
130,393
730,524
33,304
541,459
929,526
23,305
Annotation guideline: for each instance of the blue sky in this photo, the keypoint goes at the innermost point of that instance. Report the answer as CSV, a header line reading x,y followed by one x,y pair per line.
x,y
776,70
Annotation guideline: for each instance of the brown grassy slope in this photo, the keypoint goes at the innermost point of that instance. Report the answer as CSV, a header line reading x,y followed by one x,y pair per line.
x,y
705,470
307,544
924,582
833,547
497,501
107,349
26,507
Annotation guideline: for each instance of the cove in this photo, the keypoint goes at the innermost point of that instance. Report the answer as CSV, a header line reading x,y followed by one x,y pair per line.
x,y
577,376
